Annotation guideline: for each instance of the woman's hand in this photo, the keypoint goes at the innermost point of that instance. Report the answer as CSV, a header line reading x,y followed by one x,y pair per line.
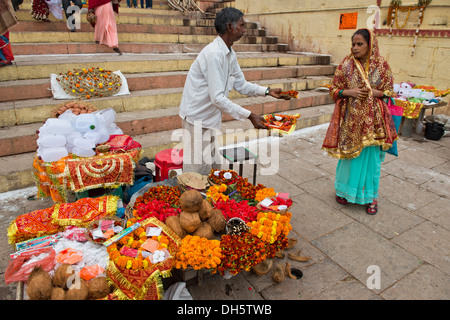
x,y
357,93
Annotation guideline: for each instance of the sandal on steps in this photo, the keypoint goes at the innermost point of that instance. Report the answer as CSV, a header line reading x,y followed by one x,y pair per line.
x,y
372,208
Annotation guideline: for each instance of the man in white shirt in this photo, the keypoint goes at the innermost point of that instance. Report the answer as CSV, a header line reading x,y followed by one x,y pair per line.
x,y
214,73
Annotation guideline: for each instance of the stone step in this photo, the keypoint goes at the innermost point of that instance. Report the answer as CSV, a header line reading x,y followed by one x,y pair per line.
x,y
157,48
38,110
28,67
152,21
17,171
130,37
41,88
157,6
145,17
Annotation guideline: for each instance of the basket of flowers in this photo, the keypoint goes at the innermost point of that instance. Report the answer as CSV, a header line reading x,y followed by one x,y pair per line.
x,y
282,124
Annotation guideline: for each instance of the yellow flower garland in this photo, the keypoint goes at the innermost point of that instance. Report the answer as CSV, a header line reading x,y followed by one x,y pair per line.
x,y
198,252
216,192
268,226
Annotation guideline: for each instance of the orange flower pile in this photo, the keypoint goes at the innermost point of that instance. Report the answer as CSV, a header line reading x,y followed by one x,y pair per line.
x,y
216,192
198,253
134,241
265,193
268,226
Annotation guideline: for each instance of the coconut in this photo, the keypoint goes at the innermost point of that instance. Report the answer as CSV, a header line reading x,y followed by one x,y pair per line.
x,y
98,288
62,275
205,210
217,220
191,201
189,221
58,293
78,291
39,285
204,230
173,222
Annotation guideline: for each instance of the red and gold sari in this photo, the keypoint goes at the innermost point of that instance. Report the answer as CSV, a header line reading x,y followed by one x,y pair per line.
x,y
357,124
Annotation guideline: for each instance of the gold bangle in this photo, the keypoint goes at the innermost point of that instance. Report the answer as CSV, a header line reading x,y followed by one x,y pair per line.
x,y
387,93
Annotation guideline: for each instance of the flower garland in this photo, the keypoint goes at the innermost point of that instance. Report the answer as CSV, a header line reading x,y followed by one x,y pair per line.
x,y
132,243
245,251
270,225
198,253
167,194
246,189
155,208
264,193
216,193
233,209
90,83
423,6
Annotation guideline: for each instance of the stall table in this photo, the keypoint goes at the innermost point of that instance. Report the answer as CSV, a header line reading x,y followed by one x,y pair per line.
x,y
414,114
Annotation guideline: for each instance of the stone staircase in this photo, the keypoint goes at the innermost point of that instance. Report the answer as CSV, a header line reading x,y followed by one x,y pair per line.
x,y
159,46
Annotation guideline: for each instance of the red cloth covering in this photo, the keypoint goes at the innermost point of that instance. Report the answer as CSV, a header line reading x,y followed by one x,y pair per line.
x,y
84,211
78,174
52,220
143,284
95,172
32,225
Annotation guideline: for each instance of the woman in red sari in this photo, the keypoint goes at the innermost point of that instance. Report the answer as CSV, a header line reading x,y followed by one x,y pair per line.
x,y
6,54
105,25
7,20
361,128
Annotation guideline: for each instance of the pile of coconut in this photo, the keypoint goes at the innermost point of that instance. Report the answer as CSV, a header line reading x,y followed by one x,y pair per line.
x,y
64,285
197,217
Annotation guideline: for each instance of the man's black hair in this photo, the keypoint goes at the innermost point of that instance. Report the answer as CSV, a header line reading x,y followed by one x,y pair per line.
x,y
226,16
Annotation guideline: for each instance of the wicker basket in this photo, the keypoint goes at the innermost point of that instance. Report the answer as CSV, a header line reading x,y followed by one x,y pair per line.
x,y
94,224
265,209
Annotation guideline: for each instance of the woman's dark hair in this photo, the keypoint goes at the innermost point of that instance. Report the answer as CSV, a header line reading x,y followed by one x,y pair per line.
x,y
226,16
364,33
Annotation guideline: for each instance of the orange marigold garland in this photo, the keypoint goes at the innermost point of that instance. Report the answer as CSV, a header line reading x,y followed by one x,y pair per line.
x,y
198,253
268,226
261,194
217,192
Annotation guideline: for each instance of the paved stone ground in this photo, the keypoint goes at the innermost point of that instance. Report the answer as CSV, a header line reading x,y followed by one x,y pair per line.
x,y
407,243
